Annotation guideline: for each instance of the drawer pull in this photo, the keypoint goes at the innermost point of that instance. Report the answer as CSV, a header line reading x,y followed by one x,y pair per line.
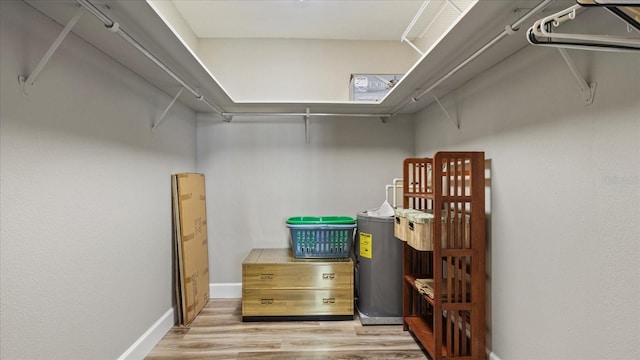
x,y
266,301
266,276
328,300
328,276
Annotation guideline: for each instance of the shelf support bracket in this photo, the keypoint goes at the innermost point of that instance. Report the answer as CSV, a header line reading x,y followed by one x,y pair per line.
x,y
588,91
27,83
306,125
455,122
155,124
413,46
455,6
227,117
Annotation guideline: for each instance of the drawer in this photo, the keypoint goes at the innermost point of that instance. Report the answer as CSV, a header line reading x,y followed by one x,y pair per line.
x,y
268,302
298,276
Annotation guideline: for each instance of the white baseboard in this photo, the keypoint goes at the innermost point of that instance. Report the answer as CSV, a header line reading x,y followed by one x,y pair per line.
x,y
493,356
150,338
157,331
225,291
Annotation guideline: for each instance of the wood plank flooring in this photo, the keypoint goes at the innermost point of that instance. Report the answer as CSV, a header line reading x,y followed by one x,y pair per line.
x,y
219,333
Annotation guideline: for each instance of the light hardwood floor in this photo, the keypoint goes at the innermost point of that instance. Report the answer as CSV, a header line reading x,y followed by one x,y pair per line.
x,y
219,333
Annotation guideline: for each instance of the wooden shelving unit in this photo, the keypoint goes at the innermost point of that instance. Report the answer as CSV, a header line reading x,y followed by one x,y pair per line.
x,y
451,324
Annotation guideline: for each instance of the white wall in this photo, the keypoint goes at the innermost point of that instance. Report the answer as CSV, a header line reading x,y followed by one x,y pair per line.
x,y
565,201
299,70
86,249
259,172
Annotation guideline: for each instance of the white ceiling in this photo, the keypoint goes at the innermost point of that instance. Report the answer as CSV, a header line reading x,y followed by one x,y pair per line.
x,y
308,19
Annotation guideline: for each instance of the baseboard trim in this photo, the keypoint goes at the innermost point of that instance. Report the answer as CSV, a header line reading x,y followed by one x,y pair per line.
x,y
154,334
225,291
150,338
493,356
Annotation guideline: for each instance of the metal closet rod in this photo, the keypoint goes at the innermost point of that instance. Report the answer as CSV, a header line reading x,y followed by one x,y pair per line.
x,y
508,30
232,114
115,28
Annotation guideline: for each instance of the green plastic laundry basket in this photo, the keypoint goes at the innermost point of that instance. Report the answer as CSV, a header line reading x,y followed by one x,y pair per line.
x,y
321,237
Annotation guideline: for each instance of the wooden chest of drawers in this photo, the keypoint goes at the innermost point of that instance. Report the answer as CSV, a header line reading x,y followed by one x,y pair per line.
x,y
277,286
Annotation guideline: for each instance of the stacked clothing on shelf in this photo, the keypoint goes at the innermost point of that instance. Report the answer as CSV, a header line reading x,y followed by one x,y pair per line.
x,y
425,287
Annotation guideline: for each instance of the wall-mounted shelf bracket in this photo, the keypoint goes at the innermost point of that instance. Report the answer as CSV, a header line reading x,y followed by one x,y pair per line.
x,y
455,6
306,125
455,122
412,46
27,83
414,21
155,123
588,91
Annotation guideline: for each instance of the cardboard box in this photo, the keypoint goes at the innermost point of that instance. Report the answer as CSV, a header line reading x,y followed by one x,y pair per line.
x,y
372,88
192,254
